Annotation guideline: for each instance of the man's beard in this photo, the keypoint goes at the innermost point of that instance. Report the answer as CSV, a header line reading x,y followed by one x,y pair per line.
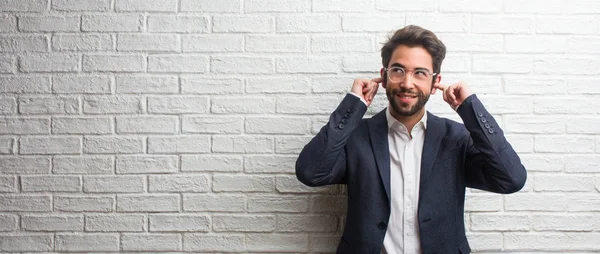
x,y
406,110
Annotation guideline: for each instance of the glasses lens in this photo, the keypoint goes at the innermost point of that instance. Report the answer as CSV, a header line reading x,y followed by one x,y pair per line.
x,y
398,74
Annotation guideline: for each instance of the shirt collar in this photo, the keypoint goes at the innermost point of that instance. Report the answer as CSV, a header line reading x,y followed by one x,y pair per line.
x,y
391,120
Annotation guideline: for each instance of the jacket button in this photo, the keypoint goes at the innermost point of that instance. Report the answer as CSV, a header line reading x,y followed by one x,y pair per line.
x,y
346,115
487,126
349,110
480,115
381,225
341,126
483,120
491,131
344,120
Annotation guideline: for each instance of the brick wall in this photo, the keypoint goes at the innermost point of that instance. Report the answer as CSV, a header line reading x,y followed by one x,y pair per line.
x,y
173,125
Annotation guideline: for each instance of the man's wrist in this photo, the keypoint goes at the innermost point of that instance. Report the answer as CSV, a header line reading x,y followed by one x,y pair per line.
x,y
361,99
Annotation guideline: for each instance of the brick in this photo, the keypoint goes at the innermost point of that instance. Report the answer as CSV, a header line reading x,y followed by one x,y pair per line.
x,y
562,106
179,223
587,125
145,5
582,44
341,44
179,144
535,44
581,7
473,43
177,63
214,203
242,24
83,203
178,104
8,64
551,241
82,42
307,105
252,6
310,64
290,184
23,43
24,6
306,223
150,242
210,6
141,164
279,203
582,164
381,23
25,165
323,243
112,105
361,63
81,5
535,202
7,184
243,223
114,184
6,145
67,23
212,43
242,65
201,85
269,43
332,84
502,64
213,242
501,24
49,63
521,143
508,104
25,203
243,144
87,242
50,145
583,203
542,162
565,25
390,5
211,163
497,222
148,42
290,145
148,203
308,23
8,23
8,222
536,6
269,164
483,203
22,241
9,125
178,183
548,222
242,105
114,63
177,24
342,6
534,124
277,242
451,23
50,183
147,124
518,85
112,23
278,125
82,125
212,124
328,204
147,84
485,241
574,65
113,145
564,144
242,183
25,84
470,6
82,165
52,222
68,84
115,223
48,105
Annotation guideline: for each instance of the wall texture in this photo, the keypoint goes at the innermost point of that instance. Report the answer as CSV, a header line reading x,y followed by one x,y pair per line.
x,y
173,125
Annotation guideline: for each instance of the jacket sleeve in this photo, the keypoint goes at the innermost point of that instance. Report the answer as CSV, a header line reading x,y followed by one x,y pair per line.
x,y
491,162
323,160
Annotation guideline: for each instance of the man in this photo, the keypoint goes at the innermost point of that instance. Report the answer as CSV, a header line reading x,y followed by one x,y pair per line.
x,y
407,169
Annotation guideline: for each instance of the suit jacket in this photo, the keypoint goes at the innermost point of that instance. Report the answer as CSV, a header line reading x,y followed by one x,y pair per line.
x,y
354,151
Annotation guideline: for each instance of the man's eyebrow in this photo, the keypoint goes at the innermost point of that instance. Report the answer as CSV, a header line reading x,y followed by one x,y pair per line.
x,y
402,66
397,65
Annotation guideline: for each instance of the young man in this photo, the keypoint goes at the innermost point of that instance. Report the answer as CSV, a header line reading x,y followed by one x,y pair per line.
x,y
407,169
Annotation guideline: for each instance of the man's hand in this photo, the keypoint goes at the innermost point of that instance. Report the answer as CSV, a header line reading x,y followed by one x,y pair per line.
x,y
454,94
366,89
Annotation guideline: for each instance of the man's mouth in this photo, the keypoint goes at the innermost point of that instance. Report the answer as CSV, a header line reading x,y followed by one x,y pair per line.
x,y
406,97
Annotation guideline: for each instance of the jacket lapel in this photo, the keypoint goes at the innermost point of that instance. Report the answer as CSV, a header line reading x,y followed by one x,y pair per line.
x,y
433,138
378,132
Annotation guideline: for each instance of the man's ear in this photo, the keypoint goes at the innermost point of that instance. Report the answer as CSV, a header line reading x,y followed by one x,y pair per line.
x,y
383,77
436,82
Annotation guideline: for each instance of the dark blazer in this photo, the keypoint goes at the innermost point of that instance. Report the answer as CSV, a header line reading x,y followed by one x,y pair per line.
x,y
354,151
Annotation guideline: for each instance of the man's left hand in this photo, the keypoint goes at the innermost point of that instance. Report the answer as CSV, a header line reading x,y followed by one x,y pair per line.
x,y
454,94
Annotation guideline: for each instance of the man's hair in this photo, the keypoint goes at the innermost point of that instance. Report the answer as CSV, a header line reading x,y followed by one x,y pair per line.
x,y
415,36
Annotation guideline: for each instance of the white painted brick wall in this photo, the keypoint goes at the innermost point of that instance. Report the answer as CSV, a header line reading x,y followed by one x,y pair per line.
x,y
174,125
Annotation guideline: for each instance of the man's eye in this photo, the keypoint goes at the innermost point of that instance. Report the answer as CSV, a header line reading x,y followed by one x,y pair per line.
x,y
421,73
397,70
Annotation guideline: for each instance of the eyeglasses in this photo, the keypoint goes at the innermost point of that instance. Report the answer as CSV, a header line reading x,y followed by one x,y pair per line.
x,y
398,74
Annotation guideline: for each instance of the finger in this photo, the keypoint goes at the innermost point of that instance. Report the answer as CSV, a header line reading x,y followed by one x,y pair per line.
x,y
451,95
440,86
377,80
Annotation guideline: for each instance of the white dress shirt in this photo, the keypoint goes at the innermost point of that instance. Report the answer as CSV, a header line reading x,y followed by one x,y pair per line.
x,y
402,235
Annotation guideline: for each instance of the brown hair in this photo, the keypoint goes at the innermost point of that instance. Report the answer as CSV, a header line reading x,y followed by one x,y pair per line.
x,y
415,36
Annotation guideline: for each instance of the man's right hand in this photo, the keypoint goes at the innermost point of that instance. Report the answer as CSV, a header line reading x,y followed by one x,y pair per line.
x,y
366,89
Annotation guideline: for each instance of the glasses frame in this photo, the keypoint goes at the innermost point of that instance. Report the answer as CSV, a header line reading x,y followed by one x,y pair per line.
x,y
412,71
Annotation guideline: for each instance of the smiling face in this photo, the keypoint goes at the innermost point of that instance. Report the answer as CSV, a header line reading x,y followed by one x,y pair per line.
x,y
408,96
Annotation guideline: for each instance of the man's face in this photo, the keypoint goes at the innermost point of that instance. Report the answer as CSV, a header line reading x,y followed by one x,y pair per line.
x,y
409,95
